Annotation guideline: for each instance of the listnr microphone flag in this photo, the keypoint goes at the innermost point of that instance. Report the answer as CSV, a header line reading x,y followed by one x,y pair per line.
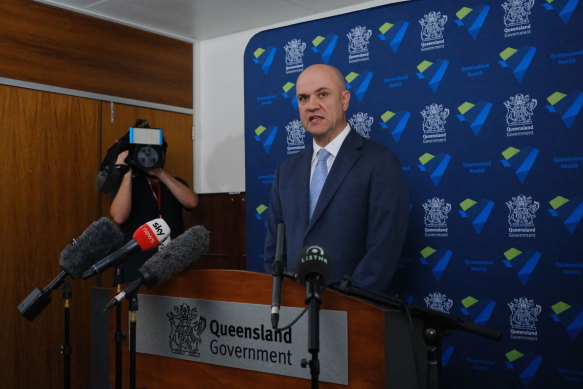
x,y
170,260
146,237
314,261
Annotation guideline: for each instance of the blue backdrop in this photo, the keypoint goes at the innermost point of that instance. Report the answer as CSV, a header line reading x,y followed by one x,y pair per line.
x,y
482,102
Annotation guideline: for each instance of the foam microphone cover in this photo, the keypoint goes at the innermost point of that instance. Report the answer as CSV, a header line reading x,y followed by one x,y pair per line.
x,y
176,256
98,240
314,260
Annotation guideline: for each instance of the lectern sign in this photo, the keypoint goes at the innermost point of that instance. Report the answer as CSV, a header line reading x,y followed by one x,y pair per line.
x,y
240,335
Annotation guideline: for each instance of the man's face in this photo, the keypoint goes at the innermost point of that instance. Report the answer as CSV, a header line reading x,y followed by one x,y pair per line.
x,y
322,101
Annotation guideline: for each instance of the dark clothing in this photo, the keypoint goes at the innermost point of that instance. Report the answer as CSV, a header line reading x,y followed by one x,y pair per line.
x,y
360,218
144,209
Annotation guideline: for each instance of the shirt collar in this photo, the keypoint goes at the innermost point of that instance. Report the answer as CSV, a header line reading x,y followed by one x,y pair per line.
x,y
334,146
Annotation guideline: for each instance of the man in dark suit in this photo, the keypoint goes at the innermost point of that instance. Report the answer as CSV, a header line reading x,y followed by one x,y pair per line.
x,y
360,216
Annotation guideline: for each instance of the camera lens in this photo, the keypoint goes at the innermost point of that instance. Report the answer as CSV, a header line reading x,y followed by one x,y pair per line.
x,y
147,157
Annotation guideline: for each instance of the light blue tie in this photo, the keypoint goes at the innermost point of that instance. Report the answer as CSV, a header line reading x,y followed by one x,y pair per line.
x,y
318,178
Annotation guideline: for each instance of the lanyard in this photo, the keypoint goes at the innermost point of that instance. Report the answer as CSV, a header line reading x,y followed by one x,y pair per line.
x,y
157,197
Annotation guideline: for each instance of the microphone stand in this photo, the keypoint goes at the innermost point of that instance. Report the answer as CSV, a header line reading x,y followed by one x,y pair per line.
x,y
65,348
119,334
133,298
313,300
435,326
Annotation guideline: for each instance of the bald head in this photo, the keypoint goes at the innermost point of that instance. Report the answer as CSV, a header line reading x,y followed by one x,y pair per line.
x,y
325,70
322,101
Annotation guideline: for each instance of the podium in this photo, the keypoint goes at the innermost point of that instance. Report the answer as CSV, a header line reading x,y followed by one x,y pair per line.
x,y
383,350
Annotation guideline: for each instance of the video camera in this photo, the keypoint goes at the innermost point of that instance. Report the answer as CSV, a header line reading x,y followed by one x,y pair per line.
x,y
147,150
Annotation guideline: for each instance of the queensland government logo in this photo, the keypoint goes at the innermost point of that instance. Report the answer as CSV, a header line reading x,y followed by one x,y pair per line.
x,y
432,26
569,211
359,83
358,39
393,33
563,8
478,310
519,113
432,72
570,316
294,56
361,122
266,136
438,258
434,119
521,217
521,161
474,114
260,213
436,214
517,60
434,165
438,302
523,317
522,263
395,122
186,329
472,18
264,58
567,106
516,17
324,46
295,137
525,365
477,212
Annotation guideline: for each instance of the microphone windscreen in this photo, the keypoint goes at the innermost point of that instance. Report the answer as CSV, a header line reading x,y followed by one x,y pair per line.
x,y
177,255
149,235
98,240
314,260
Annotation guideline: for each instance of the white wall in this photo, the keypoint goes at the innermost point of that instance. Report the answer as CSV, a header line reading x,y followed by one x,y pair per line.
x,y
219,147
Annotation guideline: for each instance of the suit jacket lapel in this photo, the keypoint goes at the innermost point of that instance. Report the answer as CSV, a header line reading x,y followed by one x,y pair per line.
x,y
346,158
303,185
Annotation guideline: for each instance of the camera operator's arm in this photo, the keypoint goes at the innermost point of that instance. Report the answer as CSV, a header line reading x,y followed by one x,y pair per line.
x,y
121,206
187,197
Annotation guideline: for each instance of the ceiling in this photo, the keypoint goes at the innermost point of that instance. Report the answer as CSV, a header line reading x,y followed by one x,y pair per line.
x,y
196,20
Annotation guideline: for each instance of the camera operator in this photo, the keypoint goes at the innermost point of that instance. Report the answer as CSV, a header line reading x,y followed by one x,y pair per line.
x,y
146,194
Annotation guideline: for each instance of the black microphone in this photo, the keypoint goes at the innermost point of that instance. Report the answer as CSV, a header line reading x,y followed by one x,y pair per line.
x,y
172,259
97,240
314,266
147,237
277,275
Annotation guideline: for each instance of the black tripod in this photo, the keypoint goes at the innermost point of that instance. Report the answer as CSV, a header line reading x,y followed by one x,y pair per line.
x,y
119,334
65,348
435,326
313,300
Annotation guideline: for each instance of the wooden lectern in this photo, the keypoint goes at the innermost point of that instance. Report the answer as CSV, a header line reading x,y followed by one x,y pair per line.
x,y
381,343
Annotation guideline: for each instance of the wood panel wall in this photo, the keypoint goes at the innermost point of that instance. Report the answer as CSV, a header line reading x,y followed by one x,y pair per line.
x,y
52,46
49,150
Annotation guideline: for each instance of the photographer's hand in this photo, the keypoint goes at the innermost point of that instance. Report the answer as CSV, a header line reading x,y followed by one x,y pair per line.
x,y
121,158
121,206
187,197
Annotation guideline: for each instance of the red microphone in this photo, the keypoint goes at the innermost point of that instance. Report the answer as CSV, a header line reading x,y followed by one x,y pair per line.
x,y
147,237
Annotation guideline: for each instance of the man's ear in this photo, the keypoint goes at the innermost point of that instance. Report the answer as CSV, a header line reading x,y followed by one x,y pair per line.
x,y
345,99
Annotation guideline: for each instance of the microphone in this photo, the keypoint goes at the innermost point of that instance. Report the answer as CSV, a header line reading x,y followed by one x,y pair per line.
x,y
97,240
172,259
146,237
277,275
314,266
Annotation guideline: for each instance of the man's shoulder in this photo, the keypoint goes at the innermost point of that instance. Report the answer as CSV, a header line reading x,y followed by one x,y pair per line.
x,y
376,150
293,160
